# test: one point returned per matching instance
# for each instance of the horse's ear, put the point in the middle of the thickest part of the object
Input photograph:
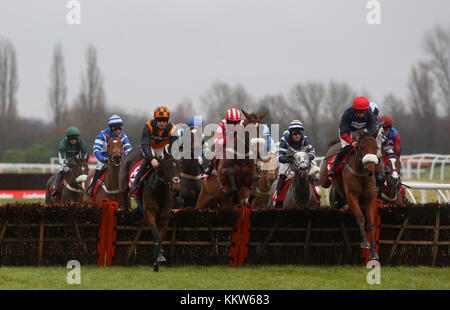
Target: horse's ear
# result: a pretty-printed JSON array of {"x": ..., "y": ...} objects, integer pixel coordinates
[
  {"x": 246, "y": 114},
  {"x": 262, "y": 115},
  {"x": 166, "y": 152},
  {"x": 292, "y": 149}
]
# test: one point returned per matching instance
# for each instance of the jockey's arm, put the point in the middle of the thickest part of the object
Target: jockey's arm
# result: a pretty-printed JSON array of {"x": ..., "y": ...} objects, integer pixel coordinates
[
  {"x": 98, "y": 144},
  {"x": 145, "y": 143},
  {"x": 282, "y": 152},
  {"x": 309, "y": 149},
  {"x": 62, "y": 148},
  {"x": 345, "y": 128},
  {"x": 83, "y": 148},
  {"x": 397, "y": 149}
]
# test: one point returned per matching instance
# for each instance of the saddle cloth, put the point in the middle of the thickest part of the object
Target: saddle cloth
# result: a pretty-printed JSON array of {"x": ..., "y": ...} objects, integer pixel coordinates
[
  {"x": 280, "y": 198},
  {"x": 339, "y": 167},
  {"x": 133, "y": 174}
]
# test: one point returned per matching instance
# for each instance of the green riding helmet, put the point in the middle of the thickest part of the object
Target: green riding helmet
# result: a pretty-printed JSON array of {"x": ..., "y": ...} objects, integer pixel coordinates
[{"x": 72, "y": 131}]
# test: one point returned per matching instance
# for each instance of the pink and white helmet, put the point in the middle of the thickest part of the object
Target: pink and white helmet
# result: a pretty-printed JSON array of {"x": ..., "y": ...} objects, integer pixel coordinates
[{"x": 233, "y": 114}]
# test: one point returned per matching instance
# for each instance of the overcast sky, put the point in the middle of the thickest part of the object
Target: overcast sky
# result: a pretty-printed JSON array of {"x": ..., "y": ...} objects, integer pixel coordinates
[{"x": 156, "y": 52}]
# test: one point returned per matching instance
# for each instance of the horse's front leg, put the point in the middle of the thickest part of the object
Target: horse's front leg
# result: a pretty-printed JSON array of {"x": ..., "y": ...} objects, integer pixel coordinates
[
  {"x": 371, "y": 227},
  {"x": 230, "y": 174},
  {"x": 353, "y": 204},
  {"x": 255, "y": 178},
  {"x": 151, "y": 220}
]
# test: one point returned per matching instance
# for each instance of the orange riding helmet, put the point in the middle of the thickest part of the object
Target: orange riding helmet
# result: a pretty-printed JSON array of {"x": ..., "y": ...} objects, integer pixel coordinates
[{"x": 161, "y": 112}]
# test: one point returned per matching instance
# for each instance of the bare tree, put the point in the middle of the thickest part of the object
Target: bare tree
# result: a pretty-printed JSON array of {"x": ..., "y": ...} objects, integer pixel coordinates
[
  {"x": 90, "y": 106},
  {"x": 183, "y": 111},
  {"x": 8, "y": 82},
  {"x": 339, "y": 97},
  {"x": 424, "y": 110},
  {"x": 279, "y": 111},
  {"x": 220, "y": 97},
  {"x": 308, "y": 98},
  {"x": 58, "y": 90},
  {"x": 437, "y": 46}
]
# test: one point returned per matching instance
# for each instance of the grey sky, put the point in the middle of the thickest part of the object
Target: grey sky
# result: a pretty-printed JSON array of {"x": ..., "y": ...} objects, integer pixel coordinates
[{"x": 158, "y": 52}]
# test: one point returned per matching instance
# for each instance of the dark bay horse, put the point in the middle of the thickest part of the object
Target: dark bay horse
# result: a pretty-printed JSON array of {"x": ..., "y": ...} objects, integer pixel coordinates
[
  {"x": 357, "y": 185},
  {"x": 74, "y": 185},
  {"x": 236, "y": 176},
  {"x": 157, "y": 196},
  {"x": 191, "y": 171},
  {"x": 391, "y": 192},
  {"x": 109, "y": 187},
  {"x": 300, "y": 194}
]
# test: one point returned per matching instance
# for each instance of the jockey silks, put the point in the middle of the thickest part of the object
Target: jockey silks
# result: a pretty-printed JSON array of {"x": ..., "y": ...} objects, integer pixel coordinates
[
  {"x": 350, "y": 123},
  {"x": 101, "y": 144},
  {"x": 302, "y": 145},
  {"x": 151, "y": 130}
]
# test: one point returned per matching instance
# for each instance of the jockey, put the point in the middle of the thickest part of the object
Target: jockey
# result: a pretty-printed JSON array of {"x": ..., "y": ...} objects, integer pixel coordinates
[
  {"x": 157, "y": 133},
  {"x": 115, "y": 124},
  {"x": 391, "y": 137},
  {"x": 355, "y": 118},
  {"x": 296, "y": 140},
  {"x": 375, "y": 110},
  {"x": 194, "y": 124},
  {"x": 271, "y": 146},
  {"x": 69, "y": 146},
  {"x": 233, "y": 117}
]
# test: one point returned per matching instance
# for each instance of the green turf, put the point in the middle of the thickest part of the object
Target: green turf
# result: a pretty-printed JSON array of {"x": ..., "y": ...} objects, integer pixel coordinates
[{"x": 226, "y": 278}]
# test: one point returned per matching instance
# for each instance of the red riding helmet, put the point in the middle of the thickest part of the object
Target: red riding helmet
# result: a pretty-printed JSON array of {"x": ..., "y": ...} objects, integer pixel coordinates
[
  {"x": 387, "y": 121},
  {"x": 361, "y": 103},
  {"x": 233, "y": 114}
]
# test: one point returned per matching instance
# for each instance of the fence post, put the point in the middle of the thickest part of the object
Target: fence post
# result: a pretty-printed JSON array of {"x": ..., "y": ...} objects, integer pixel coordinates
[
  {"x": 111, "y": 232},
  {"x": 240, "y": 236}
]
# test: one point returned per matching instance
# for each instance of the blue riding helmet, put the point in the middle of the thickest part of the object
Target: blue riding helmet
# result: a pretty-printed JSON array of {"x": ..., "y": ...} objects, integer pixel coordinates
[
  {"x": 115, "y": 120},
  {"x": 194, "y": 122}
]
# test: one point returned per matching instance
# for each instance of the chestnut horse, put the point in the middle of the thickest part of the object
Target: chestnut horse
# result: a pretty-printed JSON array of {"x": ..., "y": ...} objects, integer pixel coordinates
[
  {"x": 357, "y": 185},
  {"x": 109, "y": 187},
  {"x": 268, "y": 172},
  {"x": 236, "y": 177},
  {"x": 300, "y": 194},
  {"x": 74, "y": 186},
  {"x": 391, "y": 192}
]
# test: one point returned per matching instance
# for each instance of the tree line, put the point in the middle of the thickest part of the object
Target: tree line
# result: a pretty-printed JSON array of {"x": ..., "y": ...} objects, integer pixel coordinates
[{"x": 422, "y": 117}]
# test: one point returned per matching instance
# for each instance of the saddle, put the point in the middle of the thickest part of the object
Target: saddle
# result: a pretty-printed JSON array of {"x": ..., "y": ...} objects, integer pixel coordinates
[
  {"x": 133, "y": 174},
  {"x": 339, "y": 167}
]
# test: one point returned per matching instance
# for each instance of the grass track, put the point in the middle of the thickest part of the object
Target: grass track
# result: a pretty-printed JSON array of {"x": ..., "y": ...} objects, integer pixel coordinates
[{"x": 225, "y": 278}]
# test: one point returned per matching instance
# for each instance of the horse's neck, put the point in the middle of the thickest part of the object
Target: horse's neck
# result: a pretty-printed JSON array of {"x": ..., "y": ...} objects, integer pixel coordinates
[
  {"x": 112, "y": 175},
  {"x": 190, "y": 166},
  {"x": 263, "y": 184},
  {"x": 355, "y": 163},
  {"x": 300, "y": 189}
]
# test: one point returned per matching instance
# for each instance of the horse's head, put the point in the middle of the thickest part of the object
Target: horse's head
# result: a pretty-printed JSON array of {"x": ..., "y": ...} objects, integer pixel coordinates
[
  {"x": 269, "y": 168},
  {"x": 367, "y": 151},
  {"x": 168, "y": 172},
  {"x": 115, "y": 149},
  {"x": 301, "y": 162},
  {"x": 79, "y": 170},
  {"x": 256, "y": 142},
  {"x": 392, "y": 169}
]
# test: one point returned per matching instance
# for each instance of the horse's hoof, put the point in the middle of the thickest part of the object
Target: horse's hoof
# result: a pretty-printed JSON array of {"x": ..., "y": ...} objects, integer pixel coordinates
[
  {"x": 365, "y": 245},
  {"x": 155, "y": 267},
  {"x": 161, "y": 258},
  {"x": 374, "y": 256}
]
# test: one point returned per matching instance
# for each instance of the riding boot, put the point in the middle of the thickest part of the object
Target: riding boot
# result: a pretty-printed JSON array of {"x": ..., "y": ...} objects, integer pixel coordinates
[
  {"x": 59, "y": 178},
  {"x": 281, "y": 182},
  {"x": 339, "y": 156},
  {"x": 142, "y": 169},
  {"x": 97, "y": 175}
]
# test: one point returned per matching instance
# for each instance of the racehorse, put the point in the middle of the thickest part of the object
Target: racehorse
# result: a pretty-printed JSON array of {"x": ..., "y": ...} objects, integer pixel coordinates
[
  {"x": 300, "y": 193},
  {"x": 74, "y": 184},
  {"x": 391, "y": 192},
  {"x": 357, "y": 185},
  {"x": 268, "y": 171},
  {"x": 191, "y": 173},
  {"x": 156, "y": 195},
  {"x": 235, "y": 177},
  {"x": 109, "y": 186}
]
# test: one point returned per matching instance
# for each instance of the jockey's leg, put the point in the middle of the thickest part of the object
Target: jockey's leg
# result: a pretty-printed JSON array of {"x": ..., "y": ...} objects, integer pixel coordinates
[
  {"x": 339, "y": 156},
  {"x": 99, "y": 169},
  {"x": 59, "y": 178},
  {"x": 284, "y": 171},
  {"x": 142, "y": 169}
]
